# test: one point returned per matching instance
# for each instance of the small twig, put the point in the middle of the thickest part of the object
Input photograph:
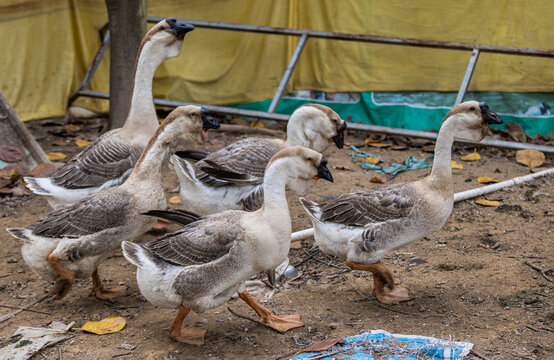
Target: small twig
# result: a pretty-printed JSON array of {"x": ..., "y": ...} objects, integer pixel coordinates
[
  {"x": 3, "y": 276},
  {"x": 253, "y": 320},
  {"x": 31, "y": 310},
  {"x": 9, "y": 316},
  {"x": 308, "y": 258},
  {"x": 539, "y": 269},
  {"x": 473, "y": 352},
  {"x": 127, "y": 306},
  {"x": 289, "y": 355},
  {"x": 44, "y": 356},
  {"x": 123, "y": 354},
  {"x": 527, "y": 256},
  {"x": 60, "y": 357},
  {"x": 532, "y": 328}
]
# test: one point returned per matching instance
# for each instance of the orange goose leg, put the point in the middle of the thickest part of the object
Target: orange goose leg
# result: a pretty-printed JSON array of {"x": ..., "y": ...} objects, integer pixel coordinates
[
  {"x": 382, "y": 279},
  {"x": 279, "y": 323},
  {"x": 106, "y": 293},
  {"x": 66, "y": 279},
  {"x": 184, "y": 334}
]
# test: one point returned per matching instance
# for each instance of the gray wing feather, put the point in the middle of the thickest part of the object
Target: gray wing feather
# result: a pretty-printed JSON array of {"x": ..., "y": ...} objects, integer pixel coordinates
[
  {"x": 107, "y": 158},
  {"x": 368, "y": 207},
  {"x": 248, "y": 156},
  {"x": 200, "y": 242},
  {"x": 90, "y": 215}
]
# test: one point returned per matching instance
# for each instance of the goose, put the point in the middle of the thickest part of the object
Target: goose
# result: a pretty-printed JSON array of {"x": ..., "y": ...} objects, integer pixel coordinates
[
  {"x": 232, "y": 178},
  {"x": 71, "y": 242},
  {"x": 362, "y": 226},
  {"x": 202, "y": 265},
  {"x": 109, "y": 160}
]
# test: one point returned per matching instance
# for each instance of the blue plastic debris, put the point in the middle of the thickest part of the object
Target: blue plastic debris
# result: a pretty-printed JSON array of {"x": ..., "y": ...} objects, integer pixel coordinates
[
  {"x": 382, "y": 345},
  {"x": 411, "y": 163}
]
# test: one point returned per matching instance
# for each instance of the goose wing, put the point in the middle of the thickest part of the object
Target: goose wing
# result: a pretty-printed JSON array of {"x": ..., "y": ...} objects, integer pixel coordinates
[
  {"x": 241, "y": 162},
  {"x": 369, "y": 207},
  {"x": 108, "y": 158},
  {"x": 201, "y": 242},
  {"x": 90, "y": 215}
]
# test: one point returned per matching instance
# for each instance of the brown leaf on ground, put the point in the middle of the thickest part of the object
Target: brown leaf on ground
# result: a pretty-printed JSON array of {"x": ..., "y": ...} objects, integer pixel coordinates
[
  {"x": 82, "y": 142},
  {"x": 530, "y": 157},
  {"x": 399, "y": 147},
  {"x": 380, "y": 145},
  {"x": 371, "y": 160},
  {"x": 487, "y": 202},
  {"x": 379, "y": 179},
  {"x": 9, "y": 172},
  {"x": 72, "y": 127},
  {"x": 18, "y": 190},
  {"x": 486, "y": 180},
  {"x": 10, "y": 153},
  {"x": 474, "y": 156},
  {"x": 106, "y": 326},
  {"x": 296, "y": 245},
  {"x": 43, "y": 170},
  {"x": 61, "y": 143},
  {"x": 175, "y": 199},
  {"x": 323, "y": 345}
]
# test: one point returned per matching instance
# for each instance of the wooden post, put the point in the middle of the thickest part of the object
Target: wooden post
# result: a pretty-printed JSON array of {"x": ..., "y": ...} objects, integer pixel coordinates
[{"x": 127, "y": 26}]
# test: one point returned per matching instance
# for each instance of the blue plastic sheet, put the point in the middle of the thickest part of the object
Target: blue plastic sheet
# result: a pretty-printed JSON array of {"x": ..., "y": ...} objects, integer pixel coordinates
[
  {"x": 382, "y": 345},
  {"x": 410, "y": 163}
]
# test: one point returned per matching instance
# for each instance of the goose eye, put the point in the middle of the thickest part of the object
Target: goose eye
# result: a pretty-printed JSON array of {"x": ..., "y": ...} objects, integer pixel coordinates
[
  {"x": 310, "y": 159},
  {"x": 335, "y": 121},
  {"x": 472, "y": 108},
  {"x": 193, "y": 114}
]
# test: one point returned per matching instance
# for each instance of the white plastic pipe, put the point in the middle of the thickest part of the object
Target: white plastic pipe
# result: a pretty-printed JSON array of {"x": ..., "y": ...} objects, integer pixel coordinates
[{"x": 464, "y": 195}]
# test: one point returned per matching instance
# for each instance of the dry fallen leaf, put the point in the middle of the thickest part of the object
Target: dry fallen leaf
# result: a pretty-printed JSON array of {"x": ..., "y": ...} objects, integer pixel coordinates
[
  {"x": 72, "y": 127},
  {"x": 381, "y": 145},
  {"x": 295, "y": 245},
  {"x": 61, "y": 143},
  {"x": 474, "y": 156},
  {"x": 9, "y": 172},
  {"x": 486, "y": 180},
  {"x": 56, "y": 156},
  {"x": 530, "y": 157},
  {"x": 258, "y": 124},
  {"x": 81, "y": 142},
  {"x": 43, "y": 170},
  {"x": 370, "y": 140},
  {"x": 174, "y": 199},
  {"x": 487, "y": 202},
  {"x": 379, "y": 179},
  {"x": 455, "y": 165},
  {"x": 371, "y": 160},
  {"x": 108, "y": 325},
  {"x": 322, "y": 345}
]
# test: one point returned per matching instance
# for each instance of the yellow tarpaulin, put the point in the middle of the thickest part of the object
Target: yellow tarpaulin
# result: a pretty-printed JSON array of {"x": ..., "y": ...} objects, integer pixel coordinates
[{"x": 47, "y": 47}]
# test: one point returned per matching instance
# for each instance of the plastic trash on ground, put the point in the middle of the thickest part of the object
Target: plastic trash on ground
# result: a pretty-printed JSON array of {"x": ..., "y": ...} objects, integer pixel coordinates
[
  {"x": 410, "y": 163},
  {"x": 379, "y": 344}
]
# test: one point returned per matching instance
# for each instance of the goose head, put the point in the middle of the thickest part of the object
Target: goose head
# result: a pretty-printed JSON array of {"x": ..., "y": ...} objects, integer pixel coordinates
[
  {"x": 302, "y": 166},
  {"x": 470, "y": 120},
  {"x": 315, "y": 126},
  {"x": 188, "y": 123},
  {"x": 165, "y": 39}
]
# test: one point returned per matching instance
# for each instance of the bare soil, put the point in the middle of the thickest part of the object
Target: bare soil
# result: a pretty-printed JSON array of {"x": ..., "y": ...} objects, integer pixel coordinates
[{"x": 473, "y": 280}]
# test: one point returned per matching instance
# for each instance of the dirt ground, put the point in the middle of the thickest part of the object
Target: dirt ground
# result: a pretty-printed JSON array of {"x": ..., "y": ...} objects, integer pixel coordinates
[{"x": 473, "y": 280}]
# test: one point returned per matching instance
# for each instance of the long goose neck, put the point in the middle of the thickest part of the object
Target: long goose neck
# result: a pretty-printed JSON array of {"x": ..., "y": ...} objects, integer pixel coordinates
[
  {"x": 142, "y": 114},
  {"x": 275, "y": 201},
  {"x": 441, "y": 173},
  {"x": 149, "y": 165},
  {"x": 295, "y": 133}
]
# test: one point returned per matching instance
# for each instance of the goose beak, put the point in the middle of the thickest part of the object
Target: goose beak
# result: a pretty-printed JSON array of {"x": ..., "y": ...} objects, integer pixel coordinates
[
  {"x": 179, "y": 28},
  {"x": 323, "y": 172},
  {"x": 339, "y": 138},
  {"x": 208, "y": 122},
  {"x": 488, "y": 116}
]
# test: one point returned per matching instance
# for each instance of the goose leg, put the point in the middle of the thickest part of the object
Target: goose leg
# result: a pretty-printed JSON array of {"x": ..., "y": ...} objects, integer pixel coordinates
[
  {"x": 106, "y": 293},
  {"x": 65, "y": 279},
  {"x": 184, "y": 334},
  {"x": 382, "y": 279},
  {"x": 279, "y": 323}
]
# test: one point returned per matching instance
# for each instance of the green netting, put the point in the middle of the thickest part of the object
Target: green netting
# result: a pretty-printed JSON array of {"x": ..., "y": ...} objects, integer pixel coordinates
[{"x": 426, "y": 110}]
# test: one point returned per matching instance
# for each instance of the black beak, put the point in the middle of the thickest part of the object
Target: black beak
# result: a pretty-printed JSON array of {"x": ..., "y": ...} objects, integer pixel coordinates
[
  {"x": 339, "y": 138},
  {"x": 208, "y": 122},
  {"x": 488, "y": 116},
  {"x": 179, "y": 28},
  {"x": 323, "y": 172}
]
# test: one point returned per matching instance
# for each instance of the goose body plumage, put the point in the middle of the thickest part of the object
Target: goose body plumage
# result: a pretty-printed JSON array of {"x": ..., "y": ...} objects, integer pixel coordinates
[
  {"x": 232, "y": 178},
  {"x": 109, "y": 160}
]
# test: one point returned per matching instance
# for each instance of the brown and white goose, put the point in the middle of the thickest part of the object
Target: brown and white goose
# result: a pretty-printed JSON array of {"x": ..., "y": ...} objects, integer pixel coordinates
[
  {"x": 362, "y": 226},
  {"x": 232, "y": 178},
  {"x": 71, "y": 242},
  {"x": 202, "y": 265},
  {"x": 109, "y": 160}
]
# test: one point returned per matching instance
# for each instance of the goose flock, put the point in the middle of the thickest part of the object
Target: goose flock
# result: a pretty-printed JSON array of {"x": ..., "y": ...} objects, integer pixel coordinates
[{"x": 236, "y": 221}]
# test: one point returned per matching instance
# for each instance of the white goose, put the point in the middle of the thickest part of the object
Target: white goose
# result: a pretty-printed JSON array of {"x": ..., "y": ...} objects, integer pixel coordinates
[
  {"x": 202, "y": 265},
  {"x": 109, "y": 160},
  {"x": 71, "y": 242},
  {"x": 362, "y": 226},
  {"x": 232, "y": 177}
]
